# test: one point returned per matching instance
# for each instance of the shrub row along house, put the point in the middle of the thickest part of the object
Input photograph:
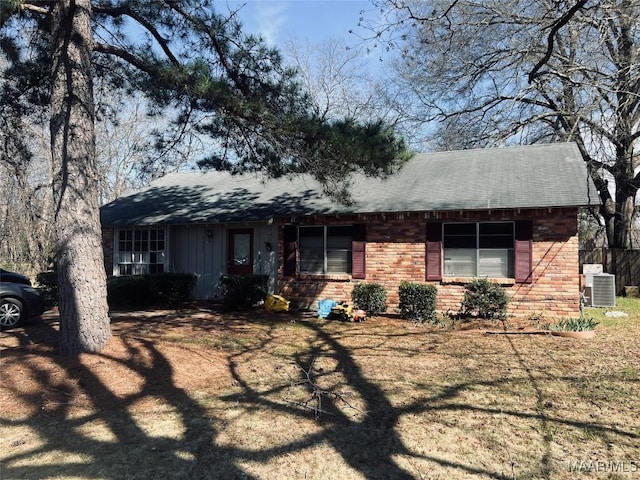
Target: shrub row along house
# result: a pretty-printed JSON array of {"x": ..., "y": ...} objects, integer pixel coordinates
[{"x": 506, "y": 214}]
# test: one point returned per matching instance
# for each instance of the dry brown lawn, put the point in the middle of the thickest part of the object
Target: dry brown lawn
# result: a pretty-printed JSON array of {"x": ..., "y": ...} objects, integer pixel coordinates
[{"x": 198, "y": 394}]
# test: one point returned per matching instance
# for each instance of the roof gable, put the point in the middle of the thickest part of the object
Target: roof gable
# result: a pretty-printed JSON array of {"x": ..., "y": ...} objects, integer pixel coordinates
[{"x": 552, "y": 175}]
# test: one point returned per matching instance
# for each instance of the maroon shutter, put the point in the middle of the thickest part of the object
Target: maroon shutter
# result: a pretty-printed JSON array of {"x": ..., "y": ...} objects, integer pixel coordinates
[
  {"x": 290, "y": 237},
  {"x": 434, "y": 251},
  {"x": 358, "y": 252},
  {"x": 523, "y": 248}
]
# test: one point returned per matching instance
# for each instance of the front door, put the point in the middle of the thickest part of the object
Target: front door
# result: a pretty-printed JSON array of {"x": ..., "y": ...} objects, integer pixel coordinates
[{"x": 240, "y": 259}]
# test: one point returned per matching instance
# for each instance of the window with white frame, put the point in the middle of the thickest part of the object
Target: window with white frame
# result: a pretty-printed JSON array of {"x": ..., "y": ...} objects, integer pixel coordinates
[
  {"x": 482, "y": 249},
  {"x": 141, "y": 251},
  {"x": 325, "y": 249}
]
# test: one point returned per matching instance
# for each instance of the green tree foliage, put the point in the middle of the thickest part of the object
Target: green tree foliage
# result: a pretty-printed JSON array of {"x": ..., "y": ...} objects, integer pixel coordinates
[
  {"x": 197, "y": 65},
  {"x": 192, "y": 64},
  {"x": 503, "y": 71}
]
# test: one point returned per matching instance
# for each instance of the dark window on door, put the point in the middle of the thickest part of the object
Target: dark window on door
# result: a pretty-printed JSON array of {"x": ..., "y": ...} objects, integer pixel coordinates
[{"x": 240, "y": 259}]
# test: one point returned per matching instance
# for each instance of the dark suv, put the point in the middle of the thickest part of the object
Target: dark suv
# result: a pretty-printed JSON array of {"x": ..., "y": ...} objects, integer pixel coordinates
[{"x": 18, "y": 299}]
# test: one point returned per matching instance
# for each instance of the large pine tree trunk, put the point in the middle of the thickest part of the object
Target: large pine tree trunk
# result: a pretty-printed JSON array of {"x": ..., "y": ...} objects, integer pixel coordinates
[{"x": 84, "y": 320}]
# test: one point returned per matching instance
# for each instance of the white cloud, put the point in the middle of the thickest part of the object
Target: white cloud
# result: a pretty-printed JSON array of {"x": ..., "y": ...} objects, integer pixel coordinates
[{"x": 271, "y": 18}]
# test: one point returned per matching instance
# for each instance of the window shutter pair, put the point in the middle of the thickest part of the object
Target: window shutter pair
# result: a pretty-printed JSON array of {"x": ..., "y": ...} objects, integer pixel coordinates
[
  {"x": 358, "y": 251},
  {"x": 523, "y": 249}
]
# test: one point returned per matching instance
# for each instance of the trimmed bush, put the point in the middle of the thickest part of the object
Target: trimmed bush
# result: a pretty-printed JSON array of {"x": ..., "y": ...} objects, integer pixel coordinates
[
  {"x": 370, "y": 297},
  {"x": 417, "y": 301},
  {"x": 172, "y": 289},
  {"x": 484, "y": 299},
  {"x": 129, "y": 291},
  {"x": 134, "y": 291},
  {"x": 242, "y": 292},
  {"x": 157, "y": 290}
]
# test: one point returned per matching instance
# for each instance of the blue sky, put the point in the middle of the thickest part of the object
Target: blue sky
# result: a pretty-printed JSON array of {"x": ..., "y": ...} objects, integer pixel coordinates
[{"x": 314, "y": 21}]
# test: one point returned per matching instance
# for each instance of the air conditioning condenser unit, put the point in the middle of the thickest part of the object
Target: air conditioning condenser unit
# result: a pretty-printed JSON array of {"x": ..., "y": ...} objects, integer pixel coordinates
[{"x": 603, "y": 290}]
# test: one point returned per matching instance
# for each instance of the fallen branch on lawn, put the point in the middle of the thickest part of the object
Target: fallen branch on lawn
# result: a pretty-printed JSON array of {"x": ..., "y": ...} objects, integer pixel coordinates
[{"x": 314, "y": 402}]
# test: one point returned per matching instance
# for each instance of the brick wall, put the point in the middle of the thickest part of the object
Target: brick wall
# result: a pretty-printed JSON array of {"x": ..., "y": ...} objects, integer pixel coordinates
[{"x": 396, "y": 251}]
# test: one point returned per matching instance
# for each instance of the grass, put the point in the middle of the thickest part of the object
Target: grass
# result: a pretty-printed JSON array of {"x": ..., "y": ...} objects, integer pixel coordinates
[
  {"x": 630, "y": 306},
  {"x": 195, "y": 394}
]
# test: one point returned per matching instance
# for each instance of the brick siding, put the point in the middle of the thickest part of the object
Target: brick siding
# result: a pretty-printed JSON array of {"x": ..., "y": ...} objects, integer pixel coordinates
[{"x": 395, "y": 251}]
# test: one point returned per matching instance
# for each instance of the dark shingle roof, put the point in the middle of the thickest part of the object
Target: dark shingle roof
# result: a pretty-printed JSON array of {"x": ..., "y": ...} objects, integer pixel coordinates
[{"x": 552, "y": 175}]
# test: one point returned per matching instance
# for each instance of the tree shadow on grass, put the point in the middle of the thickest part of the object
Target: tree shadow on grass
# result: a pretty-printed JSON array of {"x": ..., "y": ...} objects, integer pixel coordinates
[
  {"x": 371, "y": 444},
  {"x": 86, "y": 430},
  {"x": 367, "y": 439},
  {"x": 86, "y": 424}
]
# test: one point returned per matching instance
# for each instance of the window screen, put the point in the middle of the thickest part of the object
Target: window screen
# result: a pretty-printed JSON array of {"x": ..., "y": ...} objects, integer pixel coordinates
[
  {"x": 325, "y": 249},
  {"x": 482, "y": 249}
]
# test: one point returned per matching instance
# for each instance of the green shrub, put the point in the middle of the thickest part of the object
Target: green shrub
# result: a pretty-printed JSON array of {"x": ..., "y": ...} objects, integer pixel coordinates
[
  {"x": 484, "y": 299},
  {"x": 172, "y": 289},
  {"x": 134, "y": 291},
  {"x": 129, "y": 291},
  {"x": 370, "y": 297},
  {"x": 156, "y": 290},
  {"x": 241, "y": 292},
  {"x": 417, "y": 301},
  {"x": 48, "y": 282}
]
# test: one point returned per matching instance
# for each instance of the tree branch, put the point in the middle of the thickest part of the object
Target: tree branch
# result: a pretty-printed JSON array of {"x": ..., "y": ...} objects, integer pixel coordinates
[
  {"x": 534, "y": 73},
  {"x": 202, "y": 27},
  {"x": 35, "y": 8},
  {"x": 127, "y": 56},
  {"x": 115, "y": 12},
  {"x": 10, "y": 8}
]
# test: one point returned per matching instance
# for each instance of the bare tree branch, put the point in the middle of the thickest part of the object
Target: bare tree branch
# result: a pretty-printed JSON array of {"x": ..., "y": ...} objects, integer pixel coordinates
[{"x": 534, "y": 73}]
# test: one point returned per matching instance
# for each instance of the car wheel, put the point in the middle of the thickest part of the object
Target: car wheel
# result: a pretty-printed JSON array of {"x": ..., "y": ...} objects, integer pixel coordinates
[{"x": 10, "y": 312}]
